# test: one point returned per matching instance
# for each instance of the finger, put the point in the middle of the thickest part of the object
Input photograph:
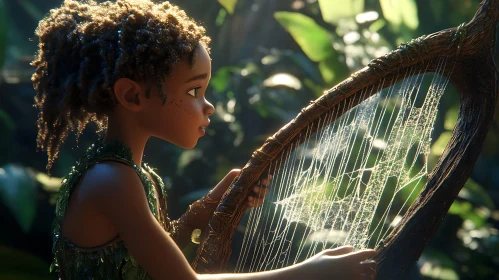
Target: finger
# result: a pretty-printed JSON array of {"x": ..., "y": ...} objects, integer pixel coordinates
[
  {"x": 361, "y": 255},
  {"x": 258, "y": 202},
  {"x": 225, "y": 182},
  {"x": 365, "y": 276},
  {"x": 368, "y": 267},
  {"x": 260, "y": 191},
  {"x": 338, "y": 251},
  {"x": 264, "y": 192},
  {"x": 255, "y": 202},
  {"x": 265, "y": 181}
]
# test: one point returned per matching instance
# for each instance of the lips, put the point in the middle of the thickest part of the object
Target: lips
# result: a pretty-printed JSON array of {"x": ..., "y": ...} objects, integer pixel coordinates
[
  {"x": 206, "y": 125},
  {"x": 202, "y": 129}
]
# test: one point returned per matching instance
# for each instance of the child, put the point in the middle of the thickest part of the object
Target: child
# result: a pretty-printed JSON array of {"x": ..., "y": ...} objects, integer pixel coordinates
[{"x": 137, "y": 69}]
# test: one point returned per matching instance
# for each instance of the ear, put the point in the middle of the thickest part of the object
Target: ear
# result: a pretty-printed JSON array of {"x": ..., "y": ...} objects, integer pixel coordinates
[{"x": 129, "y": 94}]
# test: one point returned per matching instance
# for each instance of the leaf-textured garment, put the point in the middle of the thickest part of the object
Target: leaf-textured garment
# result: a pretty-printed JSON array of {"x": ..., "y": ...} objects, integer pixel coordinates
[{"x": 111, "y": 260}]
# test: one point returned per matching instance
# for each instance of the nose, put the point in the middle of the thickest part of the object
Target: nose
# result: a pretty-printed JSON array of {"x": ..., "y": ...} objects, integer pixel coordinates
[{"x": 209, "y": 108}]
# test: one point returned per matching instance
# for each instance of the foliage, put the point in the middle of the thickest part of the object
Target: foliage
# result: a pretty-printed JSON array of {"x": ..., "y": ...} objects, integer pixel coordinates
[
  {"x": 16, "y": 264},
  {"x": 335, "y": 10},
  {"x": 314, "y": 40},
  {"x": 8, "y": 128},
  {"x": 3, "y": 31},
  {"x": 400, "y": 12},
  {"x": 18, "y": 190},
  {"x": 229, "y": 5},
  {"x": 269, "y": 61}
]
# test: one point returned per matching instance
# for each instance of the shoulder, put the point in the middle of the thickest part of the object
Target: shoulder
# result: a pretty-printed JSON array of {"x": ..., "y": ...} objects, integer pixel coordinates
[{"x": 112, "y": 183}]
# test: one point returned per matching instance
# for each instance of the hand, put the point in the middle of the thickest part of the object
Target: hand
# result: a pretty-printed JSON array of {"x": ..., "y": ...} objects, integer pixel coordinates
[
  {"x": 218, "y": 191},
  {"x": 259, "y": 192},
  {"x": 339, "y": 263},
  {"x": 257, "y": 196}
]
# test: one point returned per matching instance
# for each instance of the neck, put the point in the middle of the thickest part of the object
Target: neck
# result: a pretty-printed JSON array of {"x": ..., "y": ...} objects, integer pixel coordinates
[{"x": 130, "y": 135}]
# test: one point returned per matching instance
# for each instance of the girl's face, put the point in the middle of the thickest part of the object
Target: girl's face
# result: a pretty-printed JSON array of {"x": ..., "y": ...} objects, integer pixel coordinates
[{"x": 184, "y": 117}]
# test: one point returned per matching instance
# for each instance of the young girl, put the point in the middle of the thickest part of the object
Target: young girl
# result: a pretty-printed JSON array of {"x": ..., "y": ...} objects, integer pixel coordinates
[{"x": 137, "y": 69}]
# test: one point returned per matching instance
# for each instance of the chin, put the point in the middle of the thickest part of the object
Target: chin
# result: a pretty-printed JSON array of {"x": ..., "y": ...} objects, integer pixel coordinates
[
  {"x": 188, "y": 147},
  {"x": 184, "y": 144}
]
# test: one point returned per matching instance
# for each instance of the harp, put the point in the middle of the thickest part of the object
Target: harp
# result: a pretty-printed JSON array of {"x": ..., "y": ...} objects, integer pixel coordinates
[{"x": 472, "y": 71}]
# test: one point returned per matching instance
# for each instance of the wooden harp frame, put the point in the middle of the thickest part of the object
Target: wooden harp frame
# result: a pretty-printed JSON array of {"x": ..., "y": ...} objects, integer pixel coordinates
[{"x": 470, "y": 48}]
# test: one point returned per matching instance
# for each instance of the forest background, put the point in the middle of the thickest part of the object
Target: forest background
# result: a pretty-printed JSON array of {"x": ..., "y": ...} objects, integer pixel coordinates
[{"x": 270, "y": 59}]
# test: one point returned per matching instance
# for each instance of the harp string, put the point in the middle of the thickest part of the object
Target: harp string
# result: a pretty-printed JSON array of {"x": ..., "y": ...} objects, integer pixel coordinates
[
  {"x": 349, "y": 135},
  {"x": 324, "y": 196},
  {"x": 422, "y": 148},
  {"x": 374, "y": 194},
  {"x": 367, "y": 205}
]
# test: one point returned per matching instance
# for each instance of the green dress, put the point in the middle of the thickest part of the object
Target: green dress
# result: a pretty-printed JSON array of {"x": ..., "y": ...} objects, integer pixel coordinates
[{"x": 112, "y": 260}]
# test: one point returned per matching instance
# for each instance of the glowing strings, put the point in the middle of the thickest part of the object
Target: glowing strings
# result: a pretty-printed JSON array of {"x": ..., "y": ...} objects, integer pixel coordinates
[{"x": 350, "y": 182}]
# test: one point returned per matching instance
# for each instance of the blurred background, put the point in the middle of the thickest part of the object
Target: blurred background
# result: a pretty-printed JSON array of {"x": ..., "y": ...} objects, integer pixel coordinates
[{"x": 270, "y": 59}]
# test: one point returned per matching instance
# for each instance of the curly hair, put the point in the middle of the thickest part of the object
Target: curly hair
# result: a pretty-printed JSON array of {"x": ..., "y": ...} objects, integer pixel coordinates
[{"x": 84, "y": 47}]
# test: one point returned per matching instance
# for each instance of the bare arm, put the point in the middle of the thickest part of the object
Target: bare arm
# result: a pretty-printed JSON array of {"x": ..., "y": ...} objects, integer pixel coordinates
[
  {"x": 118, "y": 193},
  {"x": 199, "y": 213}
]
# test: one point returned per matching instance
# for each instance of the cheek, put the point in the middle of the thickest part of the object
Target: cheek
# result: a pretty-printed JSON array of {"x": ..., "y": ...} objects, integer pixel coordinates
[{"x": 179, "y": 109}]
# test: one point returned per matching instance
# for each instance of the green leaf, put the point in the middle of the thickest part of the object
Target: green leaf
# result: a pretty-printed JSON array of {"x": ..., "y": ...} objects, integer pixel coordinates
[
  {"x": 327, "y": 72},
  {"x": 377, "y": 25},
  {"x": 308, "y": 68},
  {"x": 451, "y": 118},
  {"x": 398, "y": 12},
  {"x": 16, "y": 264},
  {"x": 439, "y": 146},
  {"x": 465, "y": 210},
  {"x": 334, "y": 10},
  {"x": 49, "y": 184},
  {"x": 222, "y": 15},
  {"x": 332, "y": 70},
  {"x": 7, "y": 138},
  {"x": 250, "y": 69},
  {"x": 18, "y": 192},
  {"x": 4, "y": 23},
  {"x": 314, "y": 40},
  {"x": 460, "y": 207},
  {"x": 229, "y": 5},
  {"x": 221, "y": 78},
  {"x": 476, "y": 194},
  {"x": 316, "y": 89},
  {"x": 436, "y": 264},
  {"x": 391, "y": 12},
  {"x": 409, "y": 11},
  {"x": 477, "y": 219},
  {"x": 6, "y": 121}
]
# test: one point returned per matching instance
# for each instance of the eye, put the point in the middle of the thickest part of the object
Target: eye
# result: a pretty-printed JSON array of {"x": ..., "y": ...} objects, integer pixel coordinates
[{"x": 194, "y": 92}]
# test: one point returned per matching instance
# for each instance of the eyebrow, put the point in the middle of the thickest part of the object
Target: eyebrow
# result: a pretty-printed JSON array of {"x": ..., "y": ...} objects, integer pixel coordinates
[{"x": 198, "y": 77}]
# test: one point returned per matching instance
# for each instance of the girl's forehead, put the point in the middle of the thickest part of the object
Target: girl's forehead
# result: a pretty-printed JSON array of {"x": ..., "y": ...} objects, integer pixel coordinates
[
  {"x": 201, "y": 57},
  {"x": 188, "y": 72},
  {"x": 201, "y": 62}
]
